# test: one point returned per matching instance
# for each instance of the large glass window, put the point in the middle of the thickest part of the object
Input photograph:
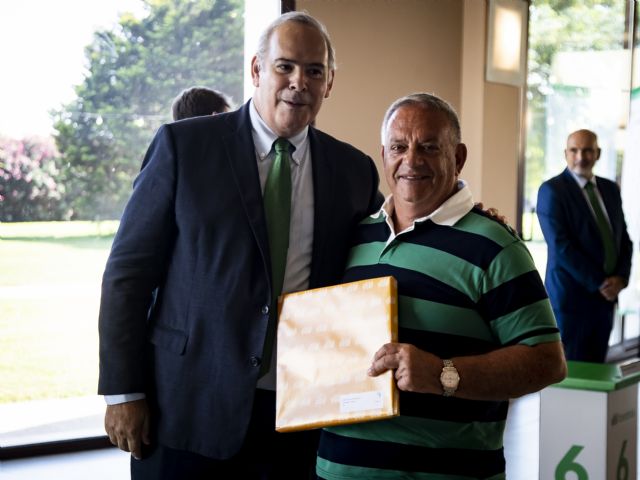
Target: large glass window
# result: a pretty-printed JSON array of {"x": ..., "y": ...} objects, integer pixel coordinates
[
  {"x": 579, "y": 77},
  {"x": 84, "y": 86},
  {"x": 630, "y": 297}
]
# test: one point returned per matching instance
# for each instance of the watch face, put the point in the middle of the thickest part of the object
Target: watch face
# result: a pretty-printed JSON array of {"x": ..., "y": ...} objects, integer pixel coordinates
[{"x": 449, "y": 378}]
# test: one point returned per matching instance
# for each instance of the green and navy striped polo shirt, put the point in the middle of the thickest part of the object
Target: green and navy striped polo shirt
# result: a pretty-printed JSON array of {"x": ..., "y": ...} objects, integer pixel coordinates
[{"x": 467, "y": 285}]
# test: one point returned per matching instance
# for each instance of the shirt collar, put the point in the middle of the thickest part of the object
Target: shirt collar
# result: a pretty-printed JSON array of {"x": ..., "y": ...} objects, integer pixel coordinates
[
  {"x": 582, "y": 181},
  {"x": 263, "y": 137},
  {"x": 447, "y": 214}
]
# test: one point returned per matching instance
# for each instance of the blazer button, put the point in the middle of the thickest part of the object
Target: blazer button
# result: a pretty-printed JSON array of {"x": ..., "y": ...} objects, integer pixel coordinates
[
  {"x": 255, "y": 361},
  {"x": 265, "y": 309}
]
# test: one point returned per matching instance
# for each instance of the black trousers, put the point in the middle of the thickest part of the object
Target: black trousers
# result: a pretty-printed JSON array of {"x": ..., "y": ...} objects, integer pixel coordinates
[{"x": 265, "y": 454}]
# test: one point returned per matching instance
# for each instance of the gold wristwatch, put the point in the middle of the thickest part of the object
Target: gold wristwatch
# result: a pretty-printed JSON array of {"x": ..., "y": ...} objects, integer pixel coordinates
[{"x": 449, "y": 378}]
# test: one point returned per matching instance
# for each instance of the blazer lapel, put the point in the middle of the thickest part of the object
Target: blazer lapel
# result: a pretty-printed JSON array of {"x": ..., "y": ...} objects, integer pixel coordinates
[
  {"x": 241, "y": 155},
  {"x": 323, "y": 202}
]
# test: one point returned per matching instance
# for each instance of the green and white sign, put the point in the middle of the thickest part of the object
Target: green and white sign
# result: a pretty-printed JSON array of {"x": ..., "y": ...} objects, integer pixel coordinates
[{"x": 588, "y": 425}]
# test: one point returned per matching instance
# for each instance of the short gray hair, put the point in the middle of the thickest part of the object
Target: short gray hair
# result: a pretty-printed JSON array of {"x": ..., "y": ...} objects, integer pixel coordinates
[
  {"x": 299, "y": 17},
  {"x": 429, "y": 102}
]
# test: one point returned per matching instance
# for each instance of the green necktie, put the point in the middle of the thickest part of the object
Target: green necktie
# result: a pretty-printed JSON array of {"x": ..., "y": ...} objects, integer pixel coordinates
[
  {"x": 610, "y": 254},
  {"x": 277, "y": 208}
]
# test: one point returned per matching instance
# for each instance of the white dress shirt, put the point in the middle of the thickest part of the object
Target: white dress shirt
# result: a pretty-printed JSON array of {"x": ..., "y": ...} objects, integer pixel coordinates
[
  {"x": 582, "y": 182},
  {"x": 298, "y": 269}
]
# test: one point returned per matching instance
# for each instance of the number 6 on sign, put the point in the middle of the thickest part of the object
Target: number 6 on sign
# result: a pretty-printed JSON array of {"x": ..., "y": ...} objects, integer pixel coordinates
[
  {"x": 568, "y": 464},
  {"x": 622, "y": 472}
]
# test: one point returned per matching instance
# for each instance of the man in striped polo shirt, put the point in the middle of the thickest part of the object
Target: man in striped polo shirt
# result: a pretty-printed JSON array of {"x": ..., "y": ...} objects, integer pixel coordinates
[{"x": 475, "y": 324}]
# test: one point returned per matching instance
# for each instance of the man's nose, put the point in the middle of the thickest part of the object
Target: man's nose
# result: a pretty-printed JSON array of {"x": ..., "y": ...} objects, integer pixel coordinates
[
  {"x": 297, "y": 80},
  {"x": 413, "y": 158}
]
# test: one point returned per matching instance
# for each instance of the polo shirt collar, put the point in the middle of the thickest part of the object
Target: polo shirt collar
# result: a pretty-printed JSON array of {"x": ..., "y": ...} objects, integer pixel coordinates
[{"x": 447, "y": 214}]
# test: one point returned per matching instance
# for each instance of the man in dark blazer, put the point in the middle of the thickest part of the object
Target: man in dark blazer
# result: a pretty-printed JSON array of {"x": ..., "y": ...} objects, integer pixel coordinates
[
  {"x": 583, "y": 277},
  {"x": 187, "y": 294}
]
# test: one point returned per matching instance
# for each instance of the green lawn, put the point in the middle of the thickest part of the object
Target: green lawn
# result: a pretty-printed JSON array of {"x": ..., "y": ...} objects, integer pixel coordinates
[{"x": 50, "y": 275}]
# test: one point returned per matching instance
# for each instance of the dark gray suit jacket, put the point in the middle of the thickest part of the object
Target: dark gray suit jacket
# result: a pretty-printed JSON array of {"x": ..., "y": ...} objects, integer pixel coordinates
[{"x": 182, "y": 315}]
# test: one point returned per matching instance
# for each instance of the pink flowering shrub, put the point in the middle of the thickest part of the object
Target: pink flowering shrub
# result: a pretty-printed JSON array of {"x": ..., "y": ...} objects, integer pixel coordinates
[{"x": 28, "y": 187}]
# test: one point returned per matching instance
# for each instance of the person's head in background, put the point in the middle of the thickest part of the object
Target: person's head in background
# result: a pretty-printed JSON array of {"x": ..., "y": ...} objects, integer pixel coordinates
[
  {"x": 582, "y": 152},
  {"x": 198, "y": 102}
]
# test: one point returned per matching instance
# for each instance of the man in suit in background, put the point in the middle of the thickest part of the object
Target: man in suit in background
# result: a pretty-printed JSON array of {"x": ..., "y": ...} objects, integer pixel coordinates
[
  {"x": 227, "y": 212},
  {"x": 589, "y": 250}
]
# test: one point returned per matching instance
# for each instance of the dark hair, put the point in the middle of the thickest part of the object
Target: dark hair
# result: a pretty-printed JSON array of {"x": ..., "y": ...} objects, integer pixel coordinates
[{"x": 199, "y": 101}]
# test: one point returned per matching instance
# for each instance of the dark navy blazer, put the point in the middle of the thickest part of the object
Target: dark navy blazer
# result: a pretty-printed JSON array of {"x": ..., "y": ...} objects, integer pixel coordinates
[
  {"x": 575, "y": 263},
  {"x": 185, "y": 292}
]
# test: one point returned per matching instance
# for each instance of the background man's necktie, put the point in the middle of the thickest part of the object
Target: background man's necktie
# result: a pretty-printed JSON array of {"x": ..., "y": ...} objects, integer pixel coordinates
[
  {"x": 277, "y": 207},
  {"x": 610, "y": 253}
]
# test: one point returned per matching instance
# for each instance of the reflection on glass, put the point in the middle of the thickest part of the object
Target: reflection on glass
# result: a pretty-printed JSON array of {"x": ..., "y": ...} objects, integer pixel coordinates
[
  {"x": 64, "y": 181},
  {"x": 579, "y": 77}
]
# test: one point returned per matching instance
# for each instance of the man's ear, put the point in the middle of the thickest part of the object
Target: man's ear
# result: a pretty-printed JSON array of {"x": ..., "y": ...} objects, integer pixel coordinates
[
  {"x": 461, "y": 157},
  {"x": 255, "y": 71},
  {"x": 382, "y": 153},
  {"x": 329, "y": 83},
  {"x": 598, "y": 152}
]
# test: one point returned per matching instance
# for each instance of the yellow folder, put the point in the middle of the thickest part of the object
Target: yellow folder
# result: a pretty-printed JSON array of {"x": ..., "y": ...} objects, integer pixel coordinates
[{"x": 326, "y": 341}]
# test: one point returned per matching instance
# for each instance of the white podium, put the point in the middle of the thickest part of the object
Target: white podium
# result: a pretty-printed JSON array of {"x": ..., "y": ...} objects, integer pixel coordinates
[{"x": 589, "y": 425}]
